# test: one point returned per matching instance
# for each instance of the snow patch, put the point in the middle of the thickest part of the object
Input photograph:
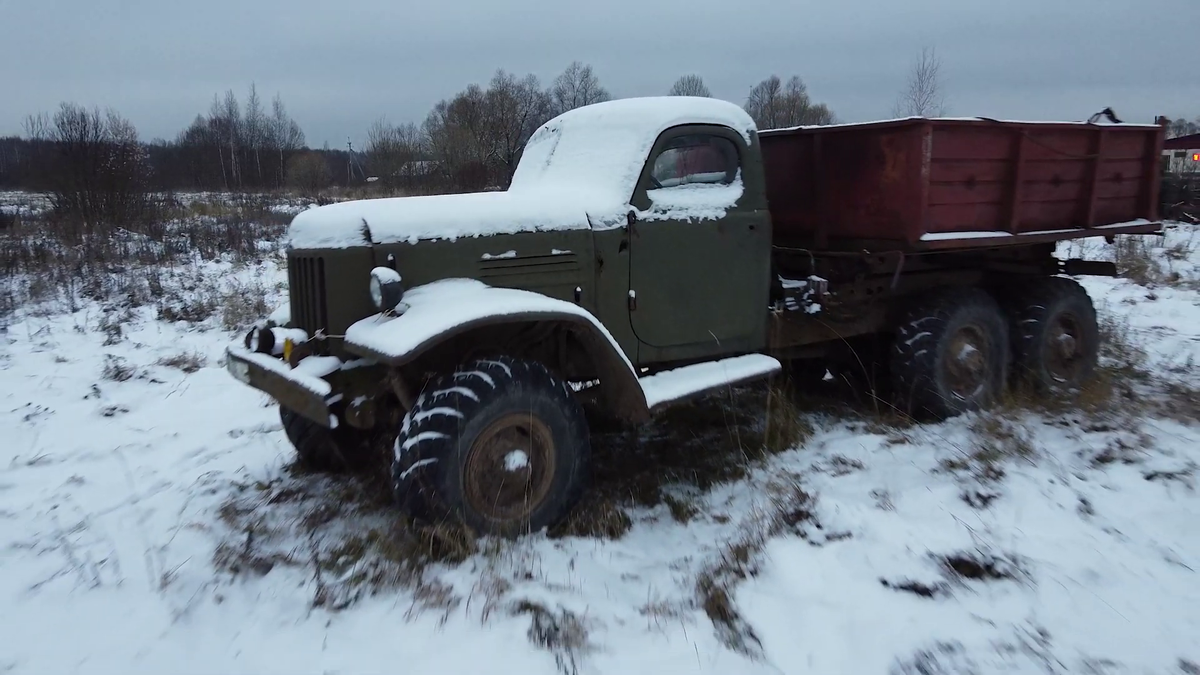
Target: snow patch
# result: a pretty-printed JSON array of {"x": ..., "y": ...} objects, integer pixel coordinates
[
  {"x": 419, "y": 438},
  {"x": 944, "y": 236},
  {"x": 416, "y": 465},
  {"x": 318, "y": 366},
  {"x": 516, "y": 460},
  {"x": 282, "y": 315},
  {"x": 695, "y": 201},
  {"x": 498, "y": 256},
  {"x": 851, "y": 125}
]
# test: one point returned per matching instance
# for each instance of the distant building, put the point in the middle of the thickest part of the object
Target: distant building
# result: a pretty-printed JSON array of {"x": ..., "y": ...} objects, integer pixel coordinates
[{"x": 1182, "y": 154}]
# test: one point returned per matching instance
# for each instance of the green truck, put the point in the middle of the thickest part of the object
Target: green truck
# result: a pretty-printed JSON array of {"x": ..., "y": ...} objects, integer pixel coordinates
[{"x": 652, "y": 250}]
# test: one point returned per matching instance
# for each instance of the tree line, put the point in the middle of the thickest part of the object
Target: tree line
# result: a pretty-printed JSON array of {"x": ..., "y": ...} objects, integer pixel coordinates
[{"x": 90, "y": 161}]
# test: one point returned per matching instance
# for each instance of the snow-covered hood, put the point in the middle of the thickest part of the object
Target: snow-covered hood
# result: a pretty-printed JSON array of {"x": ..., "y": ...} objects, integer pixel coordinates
[{"x": 410, "y": 219}]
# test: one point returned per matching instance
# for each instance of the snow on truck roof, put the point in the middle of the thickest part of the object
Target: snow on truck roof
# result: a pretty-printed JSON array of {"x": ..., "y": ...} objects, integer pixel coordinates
[
  {"x": 577, "y": 171},
  {"x": 1099, "y": 123}
]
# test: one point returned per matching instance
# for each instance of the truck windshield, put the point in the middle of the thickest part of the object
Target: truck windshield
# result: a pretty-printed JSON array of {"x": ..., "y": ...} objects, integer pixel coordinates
[{"x": 700, "y": 158}]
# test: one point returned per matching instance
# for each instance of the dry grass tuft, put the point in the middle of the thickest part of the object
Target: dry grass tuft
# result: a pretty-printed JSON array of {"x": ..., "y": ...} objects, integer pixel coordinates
[
  {"x": 995, "y": 441},
  {"x": 682, "y": 509},
  {"x": 1136, "y": 260},
  {"x": 244, "y": 304},
  {"x": 595, "y": 516},
  {"x": 982, "y": 566},
  {"x": 188, "y": 362},
  {"x": 562, "y": 633},
  {"x": 117, "y": 369}
]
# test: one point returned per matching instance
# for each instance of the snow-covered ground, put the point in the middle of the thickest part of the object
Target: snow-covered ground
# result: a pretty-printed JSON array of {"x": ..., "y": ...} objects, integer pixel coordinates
[
  {"x": 31, "y": 204},
  {"x": 150, "y": 522}
]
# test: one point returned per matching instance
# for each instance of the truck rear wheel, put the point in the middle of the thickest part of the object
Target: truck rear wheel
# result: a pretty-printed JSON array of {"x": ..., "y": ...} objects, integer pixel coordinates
[
  {"x": 950, "y": 354},
  {"x": 501, "y": 445},
  {"x": 321, "y": 448},
  {"x": 1055, "y": 336}
]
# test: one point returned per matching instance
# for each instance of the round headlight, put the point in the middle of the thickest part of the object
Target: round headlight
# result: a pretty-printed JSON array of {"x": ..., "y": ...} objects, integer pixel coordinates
[
  {"x": 387, "y": 288},
  {"x": 376, "y": 292}
]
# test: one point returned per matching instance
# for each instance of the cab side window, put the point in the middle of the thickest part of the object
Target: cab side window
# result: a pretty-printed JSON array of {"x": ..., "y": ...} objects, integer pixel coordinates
[{"x": 695, "y": 158}]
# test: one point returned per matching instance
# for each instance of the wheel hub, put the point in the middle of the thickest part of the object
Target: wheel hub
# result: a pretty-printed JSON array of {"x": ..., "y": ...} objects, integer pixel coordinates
[
  {"x": 509, "y": 468},
  {"x": 966, "y": 365},
  {"x": 1064, "y": 348}
]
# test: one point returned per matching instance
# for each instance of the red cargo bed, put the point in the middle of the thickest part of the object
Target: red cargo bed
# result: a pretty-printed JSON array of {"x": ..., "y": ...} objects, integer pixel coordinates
[{"x": 923, "y": 184}]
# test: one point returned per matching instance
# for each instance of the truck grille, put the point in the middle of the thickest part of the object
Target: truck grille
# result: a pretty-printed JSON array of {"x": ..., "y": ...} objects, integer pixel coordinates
[{"x": 306, "y": 288}]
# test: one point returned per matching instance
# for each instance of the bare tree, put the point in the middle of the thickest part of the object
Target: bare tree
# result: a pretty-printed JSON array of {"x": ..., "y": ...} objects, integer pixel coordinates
[
  {"x": 286, "y": 136},
  {"x": 1182, "y": 127},
  {"x": 922, "y": 95},
  {"x": 774, "y": 105},
  {"x": 690, "y": 85},
  {"x": 392, "y": 152},
  {"x": 576, "y": 87},
  {"x": 309, "y": 173},
  {"x": 254, "y": 130},
  {"x": 100, "y": 172},
  {"x": 454, "y": 133},
  {"x": 515, "y": 108},
  {"x": 37, "y": 127}
]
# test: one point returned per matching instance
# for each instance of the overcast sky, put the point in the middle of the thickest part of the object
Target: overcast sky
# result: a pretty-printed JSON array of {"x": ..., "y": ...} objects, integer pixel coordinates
[{"x": 340, "y": 64}]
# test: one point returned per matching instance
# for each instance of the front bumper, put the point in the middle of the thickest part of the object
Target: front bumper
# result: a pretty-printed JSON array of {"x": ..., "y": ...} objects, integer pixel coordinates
[{"x": 295, "y": 388}]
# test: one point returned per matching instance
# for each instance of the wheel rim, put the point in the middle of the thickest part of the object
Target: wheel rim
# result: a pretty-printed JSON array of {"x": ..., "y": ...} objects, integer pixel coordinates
[
  {"x": 1065, "y": 348},
  {"x": 509, "y": 468},
  {"x": 966, "y": 364}
]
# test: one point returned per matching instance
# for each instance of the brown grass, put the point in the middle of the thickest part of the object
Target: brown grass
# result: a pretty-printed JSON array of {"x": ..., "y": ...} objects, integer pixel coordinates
[
  {"x": 188, "y": 362},
  {"x": 1139, "y": 260},
  {"x": 562, "y": 633},
  {"x": 980, "y": 565},
  {"x": 244, "y": 304},
  {"x": 1136, "y": 261},
  {"x": 117, "y": 369}
]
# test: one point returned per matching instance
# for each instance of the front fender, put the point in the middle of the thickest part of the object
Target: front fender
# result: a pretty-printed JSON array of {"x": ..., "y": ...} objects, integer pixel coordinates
[{"x": 435, "y": 312}]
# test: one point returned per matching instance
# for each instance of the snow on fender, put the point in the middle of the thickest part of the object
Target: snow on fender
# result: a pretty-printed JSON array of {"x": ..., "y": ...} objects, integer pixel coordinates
[{"x": 431, "y": 313}]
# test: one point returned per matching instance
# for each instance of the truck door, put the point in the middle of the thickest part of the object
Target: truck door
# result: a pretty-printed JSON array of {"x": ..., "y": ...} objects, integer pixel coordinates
[{"x": 700, "y": 247}]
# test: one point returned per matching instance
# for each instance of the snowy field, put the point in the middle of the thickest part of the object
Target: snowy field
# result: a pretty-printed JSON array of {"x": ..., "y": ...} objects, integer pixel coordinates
[{"x": 151, "y": 522}]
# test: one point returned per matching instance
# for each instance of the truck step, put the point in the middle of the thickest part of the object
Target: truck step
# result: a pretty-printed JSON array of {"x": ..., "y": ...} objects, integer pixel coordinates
[{"x": 670, "y": 386}]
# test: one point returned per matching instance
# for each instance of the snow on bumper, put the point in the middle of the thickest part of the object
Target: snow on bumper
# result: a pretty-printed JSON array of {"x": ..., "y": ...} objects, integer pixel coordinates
[{"x": 301, "y": 389}]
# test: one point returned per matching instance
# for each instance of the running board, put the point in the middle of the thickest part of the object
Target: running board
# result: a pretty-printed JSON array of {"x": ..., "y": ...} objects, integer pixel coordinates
[{"x": 672, "y": 386}]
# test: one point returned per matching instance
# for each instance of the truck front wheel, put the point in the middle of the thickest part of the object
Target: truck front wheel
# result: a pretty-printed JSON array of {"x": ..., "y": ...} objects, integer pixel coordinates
[
  {"x": 1056, "y": 340},
  {"x": 501, "y": 445},
  {"x": 950, "y": 354}
]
